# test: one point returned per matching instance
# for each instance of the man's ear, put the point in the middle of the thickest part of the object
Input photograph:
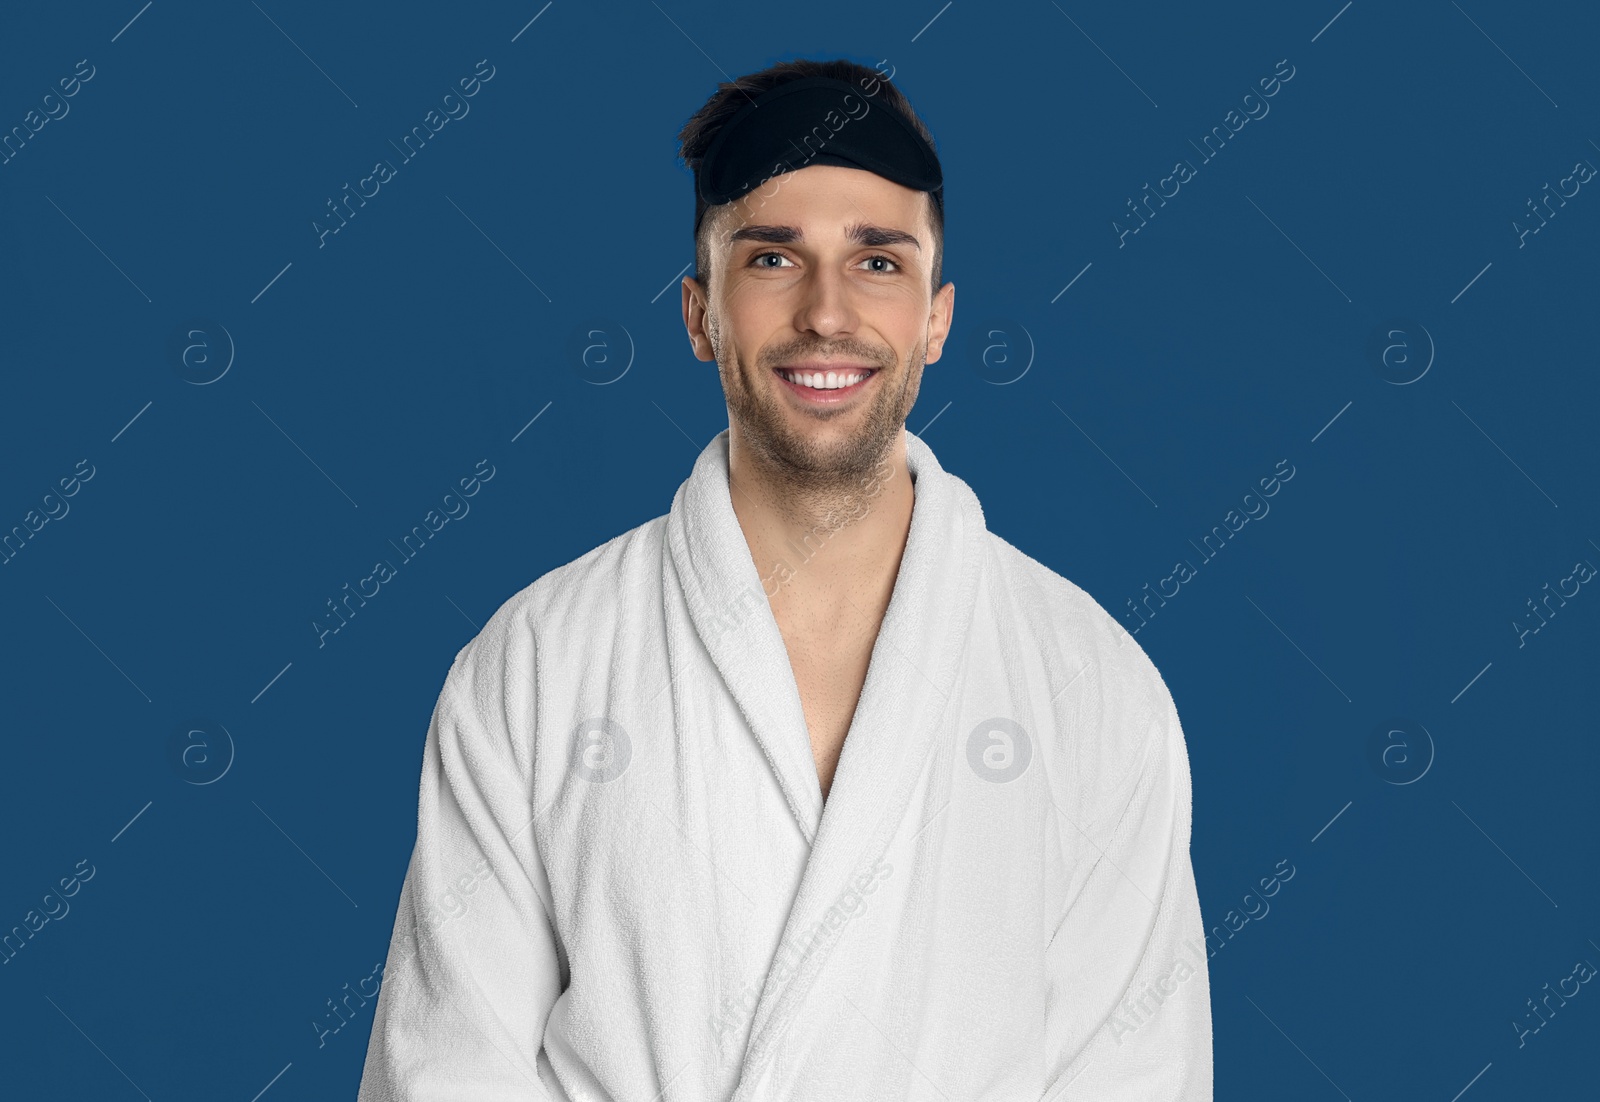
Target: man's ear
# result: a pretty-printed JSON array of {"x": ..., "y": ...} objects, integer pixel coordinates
[
  {"x": 694, "y": 319},
  {"x": 939, "y": 318}
]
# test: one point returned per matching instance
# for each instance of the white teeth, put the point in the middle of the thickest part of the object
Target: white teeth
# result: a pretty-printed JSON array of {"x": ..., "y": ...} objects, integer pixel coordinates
[{"x": 817, "y": 380}]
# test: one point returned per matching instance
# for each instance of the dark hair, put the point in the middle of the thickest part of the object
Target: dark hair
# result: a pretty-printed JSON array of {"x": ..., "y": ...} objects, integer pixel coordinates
[{"x": 697, "y": 134}]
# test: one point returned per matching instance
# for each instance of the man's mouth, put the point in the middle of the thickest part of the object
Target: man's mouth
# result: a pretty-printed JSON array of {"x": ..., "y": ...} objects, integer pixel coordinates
[{"x": 830, "y": 379}]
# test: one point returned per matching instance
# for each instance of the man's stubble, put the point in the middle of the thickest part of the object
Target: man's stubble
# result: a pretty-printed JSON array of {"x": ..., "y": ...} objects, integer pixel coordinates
[{"x": 811, "y": 478}]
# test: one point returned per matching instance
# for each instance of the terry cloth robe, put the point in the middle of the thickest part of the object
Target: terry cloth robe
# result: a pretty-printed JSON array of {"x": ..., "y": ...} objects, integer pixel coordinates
[{"x": 626, "y": 885}]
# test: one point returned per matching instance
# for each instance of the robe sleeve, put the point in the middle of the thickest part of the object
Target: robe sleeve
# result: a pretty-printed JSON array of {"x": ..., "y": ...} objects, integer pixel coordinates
[
  {"x": 474, "y": 965},
  {"x": 1129, "y": 1015}
]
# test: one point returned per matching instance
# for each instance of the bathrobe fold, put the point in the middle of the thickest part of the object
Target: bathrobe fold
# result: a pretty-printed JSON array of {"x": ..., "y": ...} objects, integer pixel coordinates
[{"x": 626, "y": 884}]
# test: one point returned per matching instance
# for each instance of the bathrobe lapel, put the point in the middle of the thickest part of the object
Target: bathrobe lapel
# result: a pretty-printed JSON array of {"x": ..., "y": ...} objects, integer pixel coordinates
[
  {"x": 709, "y": 562},
  {"x": 903, "y": 711}
]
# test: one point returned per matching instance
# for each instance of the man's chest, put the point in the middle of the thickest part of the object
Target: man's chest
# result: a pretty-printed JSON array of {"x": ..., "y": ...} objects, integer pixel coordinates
[{"x": 829, "y": 672}]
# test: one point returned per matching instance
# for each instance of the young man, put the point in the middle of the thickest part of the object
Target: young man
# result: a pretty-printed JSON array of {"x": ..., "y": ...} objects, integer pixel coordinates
[{"x": 812, "y": 788}]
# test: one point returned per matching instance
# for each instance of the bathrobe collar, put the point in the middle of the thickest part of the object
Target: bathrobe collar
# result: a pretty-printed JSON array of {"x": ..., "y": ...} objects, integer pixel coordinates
[
  {"x": 906, "y": 702},
  {"x": 910, "y": 672}
]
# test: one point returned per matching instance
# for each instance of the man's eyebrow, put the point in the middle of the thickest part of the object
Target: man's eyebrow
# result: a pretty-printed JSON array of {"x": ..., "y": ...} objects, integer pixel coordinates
[{"x": 859, "y": 233}]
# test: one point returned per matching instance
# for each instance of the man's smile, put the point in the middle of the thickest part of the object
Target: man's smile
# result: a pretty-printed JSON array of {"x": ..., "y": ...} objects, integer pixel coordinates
[{"x": 825, "y": 384}]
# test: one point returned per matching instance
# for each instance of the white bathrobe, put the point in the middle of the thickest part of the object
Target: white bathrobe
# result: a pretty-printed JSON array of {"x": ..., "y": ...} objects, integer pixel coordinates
[{"x": 627, "y": 887}]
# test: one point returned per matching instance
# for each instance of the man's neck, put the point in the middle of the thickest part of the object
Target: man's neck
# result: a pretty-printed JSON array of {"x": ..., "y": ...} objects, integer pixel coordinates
[{"x": 824, "y": 554}]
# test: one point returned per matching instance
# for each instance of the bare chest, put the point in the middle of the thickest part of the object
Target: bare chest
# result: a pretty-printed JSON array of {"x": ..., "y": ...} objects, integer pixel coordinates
[{"x": 829, "y": 674}]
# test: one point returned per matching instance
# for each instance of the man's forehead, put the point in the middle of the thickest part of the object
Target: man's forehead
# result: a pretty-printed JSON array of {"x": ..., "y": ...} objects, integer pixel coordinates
[
  {"x": 826, "y": 201},
  {"x": 824, "y": 180}
]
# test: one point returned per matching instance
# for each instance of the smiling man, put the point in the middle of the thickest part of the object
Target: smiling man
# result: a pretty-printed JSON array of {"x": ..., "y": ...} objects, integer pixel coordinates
[{"x": 813, "y": 787}]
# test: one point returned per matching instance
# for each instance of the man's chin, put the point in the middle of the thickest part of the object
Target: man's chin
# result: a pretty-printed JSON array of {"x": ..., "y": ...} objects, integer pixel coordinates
[{"x": 823, "y": 457}]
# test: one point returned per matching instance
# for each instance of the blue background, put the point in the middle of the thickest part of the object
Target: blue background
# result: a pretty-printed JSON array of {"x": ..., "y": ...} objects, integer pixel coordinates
[{"x": 366, "y": 375}]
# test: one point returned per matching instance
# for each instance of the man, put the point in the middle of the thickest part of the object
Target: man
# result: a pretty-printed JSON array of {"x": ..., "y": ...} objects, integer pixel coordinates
[{"x": 812, "y": 788}]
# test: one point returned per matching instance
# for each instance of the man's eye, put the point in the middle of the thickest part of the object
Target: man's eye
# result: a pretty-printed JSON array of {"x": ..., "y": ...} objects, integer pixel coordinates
[{"x": 894, "y": 265}]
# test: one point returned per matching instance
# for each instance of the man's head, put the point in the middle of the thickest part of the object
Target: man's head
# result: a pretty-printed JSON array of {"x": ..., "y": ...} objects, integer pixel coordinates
[{"x": 826, "y": 265}]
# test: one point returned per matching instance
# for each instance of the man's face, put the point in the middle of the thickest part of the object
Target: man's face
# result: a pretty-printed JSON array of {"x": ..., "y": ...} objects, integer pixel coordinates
[{"x": 825, "y": 269}]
